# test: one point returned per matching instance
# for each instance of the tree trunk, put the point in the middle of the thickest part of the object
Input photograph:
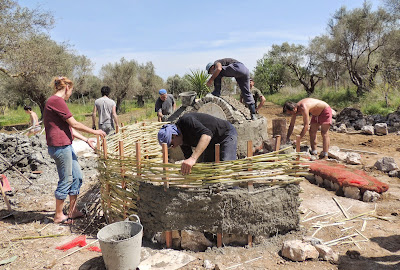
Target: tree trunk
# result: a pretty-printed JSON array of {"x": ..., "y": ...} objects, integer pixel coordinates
[
  {"x": 140, "y": 101},
  {"x": 279, "y": 128}
]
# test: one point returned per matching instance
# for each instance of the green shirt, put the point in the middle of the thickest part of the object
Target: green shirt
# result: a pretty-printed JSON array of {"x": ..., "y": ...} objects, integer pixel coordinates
[{"x": 256, "y": 94}]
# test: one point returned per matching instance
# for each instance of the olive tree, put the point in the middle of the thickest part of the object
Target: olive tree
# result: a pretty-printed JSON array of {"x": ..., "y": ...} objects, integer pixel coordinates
[
  {"x": 357, "y": 37},
  {"x": 177, "y": 85},
  {"x": 269, "y": 75},
  {"x": 39, "y": 59},
  {"x": 301, "y": 61},
  {"x": 150, "y": 83},
  {"x": 17, "y": 25},
  {"x": 122, "y": 78}
]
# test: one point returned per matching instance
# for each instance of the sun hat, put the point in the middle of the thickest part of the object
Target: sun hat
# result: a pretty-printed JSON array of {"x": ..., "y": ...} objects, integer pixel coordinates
[
  {"x": 162, "y": 91},
  {"x": 166, "y": 132}
]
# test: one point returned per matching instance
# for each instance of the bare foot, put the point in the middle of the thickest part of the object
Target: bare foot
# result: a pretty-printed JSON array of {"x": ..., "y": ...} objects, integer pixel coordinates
[
  {"x": 62, "y": 219},
  {"x": 77, "y": 214}
]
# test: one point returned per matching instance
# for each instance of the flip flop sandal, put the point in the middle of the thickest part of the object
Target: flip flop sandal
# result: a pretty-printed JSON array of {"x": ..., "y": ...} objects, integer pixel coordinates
[{"x": 66, "y": 221}]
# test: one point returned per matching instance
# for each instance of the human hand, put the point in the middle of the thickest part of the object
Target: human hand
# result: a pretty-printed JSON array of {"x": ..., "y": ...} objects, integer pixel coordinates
[
  {"x": 187, "y": 165},
  {"x": 91, "y": 142},
  {"x": 209, "y": 83},
  {"x": 100, "y": 132}
]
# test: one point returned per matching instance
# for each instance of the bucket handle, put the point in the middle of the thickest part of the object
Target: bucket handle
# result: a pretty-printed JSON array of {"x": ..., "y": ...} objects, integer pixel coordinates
[{"x": 133, "y": 215}]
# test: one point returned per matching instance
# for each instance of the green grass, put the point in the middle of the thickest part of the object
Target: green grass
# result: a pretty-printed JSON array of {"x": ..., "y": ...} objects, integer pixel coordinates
[
  {"x": 286, "y": 94},
  {"x": 16, "y": 116}
]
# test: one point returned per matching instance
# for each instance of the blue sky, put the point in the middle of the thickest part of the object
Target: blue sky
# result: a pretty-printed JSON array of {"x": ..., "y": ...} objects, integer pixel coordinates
[{"x": 179, "y": 36}]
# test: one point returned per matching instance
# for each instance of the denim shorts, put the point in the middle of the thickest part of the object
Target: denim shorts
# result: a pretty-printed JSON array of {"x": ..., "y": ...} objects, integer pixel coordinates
[{"x": 69, "y": 171}]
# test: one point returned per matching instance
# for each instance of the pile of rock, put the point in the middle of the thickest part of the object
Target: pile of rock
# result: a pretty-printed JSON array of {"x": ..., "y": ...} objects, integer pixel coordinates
[
  {"x": 388, "y": 165},
  {"x": 309, "y": 248},
  {"x": 29, "y": 156},
  {"x": 353, "y": 119},
  {"x": 26, "y": 154}
]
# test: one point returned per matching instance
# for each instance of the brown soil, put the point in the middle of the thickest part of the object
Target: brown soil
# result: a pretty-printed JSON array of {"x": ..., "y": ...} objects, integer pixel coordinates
[{"x": 382, "y": 251}]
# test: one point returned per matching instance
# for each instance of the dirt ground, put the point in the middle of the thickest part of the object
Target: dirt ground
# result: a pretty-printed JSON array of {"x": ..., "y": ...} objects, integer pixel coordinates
[{"x": 375, "y": 246}]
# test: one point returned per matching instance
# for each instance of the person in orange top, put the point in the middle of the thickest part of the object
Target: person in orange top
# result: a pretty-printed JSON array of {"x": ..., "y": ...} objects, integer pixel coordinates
[{"x": 321, "y": 116}]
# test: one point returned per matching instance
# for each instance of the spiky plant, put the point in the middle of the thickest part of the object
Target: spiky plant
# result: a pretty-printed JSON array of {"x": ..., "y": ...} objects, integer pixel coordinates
[{"x": 198, "y": 80}]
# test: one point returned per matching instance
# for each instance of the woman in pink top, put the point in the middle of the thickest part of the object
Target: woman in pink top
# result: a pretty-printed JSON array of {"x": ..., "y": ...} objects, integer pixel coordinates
[{"x": 61, "y": 128}]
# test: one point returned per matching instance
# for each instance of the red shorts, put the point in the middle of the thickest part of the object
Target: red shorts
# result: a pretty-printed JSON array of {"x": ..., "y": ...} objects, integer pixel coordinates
[{"x": 325, "y": 117}]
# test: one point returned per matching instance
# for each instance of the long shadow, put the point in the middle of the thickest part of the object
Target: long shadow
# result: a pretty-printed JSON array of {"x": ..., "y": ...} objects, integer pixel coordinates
[
  {"x": 370, "y": 263},
  {"x": 24, "y": 217},
  {"x": 96, "y": 263},
  {"x": 390, "y": 243}
]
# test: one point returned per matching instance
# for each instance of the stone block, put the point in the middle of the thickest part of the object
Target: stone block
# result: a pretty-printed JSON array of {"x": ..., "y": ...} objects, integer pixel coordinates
[
  {"x": 369, "y": 130},
  {"x": 334, "y": 152},
  {"x": 381, "y": 129},
  {"x": 370, "y": 196},
  {"x": 194, "y": 241},
  {"x": 352, "y": 192},
  {"x": 319, "y": 180},
  {"x": 296, "y": 250},
  {"x": 327, "y": 254},
  {"x": 342, "y": 128},
  {"x": 353, "y": 158},
  {"x": 386, "y": 164}
]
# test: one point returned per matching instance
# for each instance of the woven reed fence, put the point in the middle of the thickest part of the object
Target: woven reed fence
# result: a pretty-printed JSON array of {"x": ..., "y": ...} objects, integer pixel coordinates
[{"x": 133, "y": 155}]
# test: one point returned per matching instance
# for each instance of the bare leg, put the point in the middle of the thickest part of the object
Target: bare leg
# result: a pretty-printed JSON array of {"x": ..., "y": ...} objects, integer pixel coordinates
[
  {"x": 325, "y": 137},
  {"x": 313, "y": 136},
  {"x": 73, "y": 211},
  {"x": 59, "y": 216}
]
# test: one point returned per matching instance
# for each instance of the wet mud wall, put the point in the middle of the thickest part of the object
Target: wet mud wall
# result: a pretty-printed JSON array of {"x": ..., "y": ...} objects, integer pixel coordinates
[{"x": 264, "y": 211}]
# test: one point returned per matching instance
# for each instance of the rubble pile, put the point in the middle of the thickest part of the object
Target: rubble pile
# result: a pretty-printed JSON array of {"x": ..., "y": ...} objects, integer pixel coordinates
[
  {"x": 354, "y": 119},
  {"x": 29, "y": 157}
]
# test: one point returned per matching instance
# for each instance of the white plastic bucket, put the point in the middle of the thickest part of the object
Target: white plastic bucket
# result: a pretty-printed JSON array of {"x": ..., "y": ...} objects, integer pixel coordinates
[{"x": 121, "y": 244}]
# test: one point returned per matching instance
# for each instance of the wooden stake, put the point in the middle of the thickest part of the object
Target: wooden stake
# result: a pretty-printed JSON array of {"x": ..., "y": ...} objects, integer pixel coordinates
[
  {"x": 250, "y": 240},
  {"x": 105, "y": 147},
  {"x": 217, "y": 153},
  {"x": 217, "y": 160},
  {"x": 168, "y": 239},
  {"x": 298, "y": 140},
  {"x": 123, "y": 182},
  {"x": 219, "y": 240},
  {"x": 108, "y": 187},
  {"x": 121, "y": 157},
  {"x": 277, "y": 142},
  {"x": 138, "y": 159},
  {"x": 165, "y": 161},
  {"x": 250, "y": 186},
  {"x": 98, "y": 142},
  {"x": 117, "y": 129}
]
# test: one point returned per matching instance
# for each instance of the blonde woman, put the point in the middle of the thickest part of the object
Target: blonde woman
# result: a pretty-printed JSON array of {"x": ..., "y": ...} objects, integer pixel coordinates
[{"x": 61, "y": 128}]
